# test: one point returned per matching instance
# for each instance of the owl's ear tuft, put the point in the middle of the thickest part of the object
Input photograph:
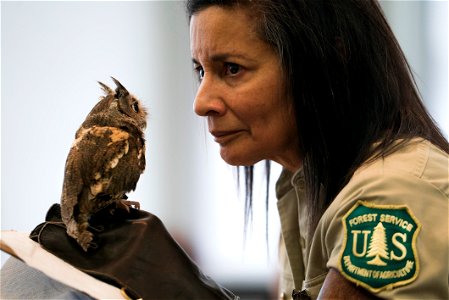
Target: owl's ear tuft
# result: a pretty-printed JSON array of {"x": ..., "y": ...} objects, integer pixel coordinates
[
  {"x": 120, "y": 91},
  {"x": 107, "y": 90}
]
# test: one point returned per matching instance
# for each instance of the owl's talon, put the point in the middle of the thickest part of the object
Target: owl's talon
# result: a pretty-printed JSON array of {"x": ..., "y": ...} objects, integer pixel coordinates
[
  {"x": 84, "y": 239},
  {"x": 126, "y": 204},
  {"x": 93, "y": 245},
  {"x": 98, "y": 228},
  {"x": 135, "y": 203}
]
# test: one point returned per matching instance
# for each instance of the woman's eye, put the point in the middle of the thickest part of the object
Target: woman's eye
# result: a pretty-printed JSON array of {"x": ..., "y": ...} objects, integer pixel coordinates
[
  {"x": 200, "y": 71},
  {"x": 232, "y": 69}
]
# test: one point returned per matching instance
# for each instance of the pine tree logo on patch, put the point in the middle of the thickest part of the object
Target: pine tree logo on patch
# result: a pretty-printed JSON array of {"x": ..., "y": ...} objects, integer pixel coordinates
[{"x": 379, "y": 250}]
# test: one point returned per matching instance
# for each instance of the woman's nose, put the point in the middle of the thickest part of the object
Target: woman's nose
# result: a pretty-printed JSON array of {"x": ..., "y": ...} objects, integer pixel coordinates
[{"x": 209, "y": 98}]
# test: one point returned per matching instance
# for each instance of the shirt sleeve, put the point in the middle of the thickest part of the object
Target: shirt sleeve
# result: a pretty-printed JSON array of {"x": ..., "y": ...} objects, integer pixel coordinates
[
  {"x": 389, "y": 234},
  {"x": 19, "y": 281}
]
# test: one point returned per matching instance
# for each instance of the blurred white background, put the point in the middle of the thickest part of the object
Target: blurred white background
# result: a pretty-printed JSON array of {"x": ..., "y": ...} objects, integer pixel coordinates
[{"x": 52, "y": 54}]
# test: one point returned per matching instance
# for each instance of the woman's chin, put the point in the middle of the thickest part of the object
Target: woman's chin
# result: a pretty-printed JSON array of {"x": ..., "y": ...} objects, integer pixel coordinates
[{"x": 237, "y": 158}]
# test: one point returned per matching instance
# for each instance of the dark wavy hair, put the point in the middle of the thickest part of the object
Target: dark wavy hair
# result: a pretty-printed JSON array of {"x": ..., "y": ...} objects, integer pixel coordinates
[{"x": 351, "y": 86}]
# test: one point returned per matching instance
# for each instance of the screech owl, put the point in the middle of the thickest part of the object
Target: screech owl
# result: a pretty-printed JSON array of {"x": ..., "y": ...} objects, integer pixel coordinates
[{"x": 105, "y": 161}]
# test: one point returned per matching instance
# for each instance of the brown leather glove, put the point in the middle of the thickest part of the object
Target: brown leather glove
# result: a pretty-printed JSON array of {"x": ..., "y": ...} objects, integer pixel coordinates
[{"x": 133, "y": 251}]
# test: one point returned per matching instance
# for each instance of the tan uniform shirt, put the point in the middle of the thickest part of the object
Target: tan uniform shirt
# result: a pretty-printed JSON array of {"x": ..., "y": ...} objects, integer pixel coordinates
[{"x": 387, "y": 230}]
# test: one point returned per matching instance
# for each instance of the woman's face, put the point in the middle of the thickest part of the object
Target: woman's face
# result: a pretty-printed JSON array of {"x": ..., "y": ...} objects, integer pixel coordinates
[{"x": 241, "y": 90}]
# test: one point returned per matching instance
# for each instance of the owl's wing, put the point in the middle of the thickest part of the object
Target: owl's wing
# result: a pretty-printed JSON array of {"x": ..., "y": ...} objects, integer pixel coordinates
[
  {"x": 72, "y": 186},
  {"x": 112, "y": 160},
  {"x": 103, "y": 160}
]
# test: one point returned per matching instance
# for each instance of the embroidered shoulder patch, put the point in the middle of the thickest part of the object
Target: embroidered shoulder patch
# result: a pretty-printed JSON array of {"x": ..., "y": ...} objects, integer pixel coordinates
[{"x": 379, "y": 249}]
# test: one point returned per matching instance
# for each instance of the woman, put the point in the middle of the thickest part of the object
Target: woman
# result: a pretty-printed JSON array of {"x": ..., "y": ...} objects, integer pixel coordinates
[{"x": 323, "y": 88}]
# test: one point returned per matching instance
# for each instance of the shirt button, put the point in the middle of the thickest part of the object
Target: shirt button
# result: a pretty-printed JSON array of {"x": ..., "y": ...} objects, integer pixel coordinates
[{"x": 301, "y": 184}]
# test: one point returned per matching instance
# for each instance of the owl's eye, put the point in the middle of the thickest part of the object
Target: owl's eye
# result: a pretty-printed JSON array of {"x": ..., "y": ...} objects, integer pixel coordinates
[{"x": 135, "y": 107}]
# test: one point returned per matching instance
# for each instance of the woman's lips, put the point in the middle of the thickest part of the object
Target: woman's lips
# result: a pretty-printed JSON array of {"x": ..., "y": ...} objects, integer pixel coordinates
[{"x": 223, "y": 137}]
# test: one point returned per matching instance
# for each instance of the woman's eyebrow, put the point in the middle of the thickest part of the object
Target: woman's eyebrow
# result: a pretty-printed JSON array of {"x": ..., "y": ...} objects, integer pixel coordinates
[{"x": 225, "y": 57}]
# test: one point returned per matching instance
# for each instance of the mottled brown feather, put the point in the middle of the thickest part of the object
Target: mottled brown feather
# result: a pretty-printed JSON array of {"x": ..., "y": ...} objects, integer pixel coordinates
[{"x": 105, "y": 161}]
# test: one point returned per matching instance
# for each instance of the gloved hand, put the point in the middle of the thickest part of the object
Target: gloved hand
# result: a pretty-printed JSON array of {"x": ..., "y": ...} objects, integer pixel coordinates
[{"x": 133, "y": 251}]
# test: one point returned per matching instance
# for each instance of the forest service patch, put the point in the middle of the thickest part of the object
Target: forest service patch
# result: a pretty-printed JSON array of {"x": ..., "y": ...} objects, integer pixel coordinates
[{"x": 379, "y": 249}]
